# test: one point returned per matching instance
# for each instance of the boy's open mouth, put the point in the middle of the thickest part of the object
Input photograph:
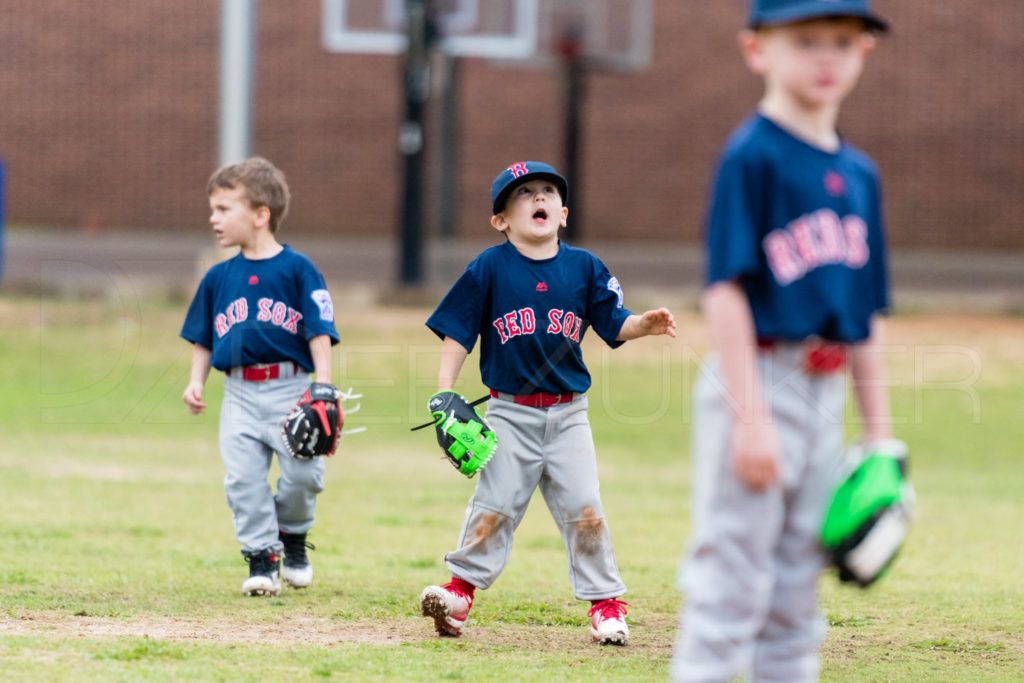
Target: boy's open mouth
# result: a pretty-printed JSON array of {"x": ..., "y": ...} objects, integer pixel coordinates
[{"x": 541, "y": 214}]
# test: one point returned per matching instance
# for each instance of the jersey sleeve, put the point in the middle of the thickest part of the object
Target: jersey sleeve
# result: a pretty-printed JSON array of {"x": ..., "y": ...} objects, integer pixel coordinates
[
  {"x": 317, "y": 308},
  {"x": 606, "y": 311},
  {"x": 732, "y": 232},
  {"x": 459, "y": 314},
  {"x": 198, "y": 325}
]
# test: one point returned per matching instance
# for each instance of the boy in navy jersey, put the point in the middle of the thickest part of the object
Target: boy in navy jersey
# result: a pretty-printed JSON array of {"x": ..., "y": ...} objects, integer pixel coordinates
[
  {"x": 266, "y": 320},
  {"x": 796, "y": 279},
  {"x": 530, "y": 301}
]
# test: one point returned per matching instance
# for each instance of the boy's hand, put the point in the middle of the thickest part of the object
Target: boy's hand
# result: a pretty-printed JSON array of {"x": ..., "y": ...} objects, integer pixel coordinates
[
  {"x": 659, "y": 321},
  {"x": 193, "y": 398},
  {"x": 756, "y": 457}
]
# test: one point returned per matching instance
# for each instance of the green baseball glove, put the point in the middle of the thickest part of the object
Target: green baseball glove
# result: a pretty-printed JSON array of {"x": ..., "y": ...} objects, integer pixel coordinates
[
  {"x": 869, "y": 513},
  {"x": 466, "y": 438}
]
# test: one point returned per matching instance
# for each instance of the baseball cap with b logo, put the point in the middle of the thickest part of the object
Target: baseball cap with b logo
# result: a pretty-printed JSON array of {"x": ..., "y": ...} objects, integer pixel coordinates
[
  {"x": 768, "y": 12},
  {"x": 520, "y": 172}
]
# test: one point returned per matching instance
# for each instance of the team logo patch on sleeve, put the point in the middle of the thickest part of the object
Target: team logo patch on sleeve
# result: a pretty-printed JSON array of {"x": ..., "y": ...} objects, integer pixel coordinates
[
  {"x": 614, "y": 286},
  {"x": 323, "y": 301}
]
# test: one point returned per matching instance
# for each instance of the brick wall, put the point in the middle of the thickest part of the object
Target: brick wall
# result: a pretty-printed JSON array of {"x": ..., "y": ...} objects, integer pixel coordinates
[{"x": 109, "y": 119}]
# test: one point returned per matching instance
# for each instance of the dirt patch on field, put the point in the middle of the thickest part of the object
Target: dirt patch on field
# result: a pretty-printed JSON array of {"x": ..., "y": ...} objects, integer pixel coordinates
[
  {"x": 654, "y": 638},
  {"x": 292, "y": 629}
]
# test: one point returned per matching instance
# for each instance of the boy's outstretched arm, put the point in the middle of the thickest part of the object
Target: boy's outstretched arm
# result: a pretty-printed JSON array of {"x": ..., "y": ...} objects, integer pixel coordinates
[
  {"x": 756, "y": 452},
  {"x": 453, "y": 355},
  {"x": 658, "y": 321},
  {"x": 193, "y": 395},
  {"x": 867, "y": 370}
]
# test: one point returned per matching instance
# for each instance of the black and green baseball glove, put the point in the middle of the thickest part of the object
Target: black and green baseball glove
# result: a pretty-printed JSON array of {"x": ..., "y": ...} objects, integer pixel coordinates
[
  {"x": 868, "y": 516},
  {"x": 466, "y": 438}
]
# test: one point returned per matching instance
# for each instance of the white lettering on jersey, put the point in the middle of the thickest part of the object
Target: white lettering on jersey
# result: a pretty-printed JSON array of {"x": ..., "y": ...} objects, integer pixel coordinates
[
  {"x": 512, "y": 324},
  {"x": 524, "y": 321},
  {"x": 565, "y": 323},
  {"x": 555, "y": 321},
  {"x": 499, "y": 325},
  {"x": 516, "y": 323},
  {"x": 236, "y": 312},
  {"x": 278, "y": 313},
  {"x": 528, "y": 321},
  {"x": 813, "y": 240},
  {"x": 856, "y": 232}
]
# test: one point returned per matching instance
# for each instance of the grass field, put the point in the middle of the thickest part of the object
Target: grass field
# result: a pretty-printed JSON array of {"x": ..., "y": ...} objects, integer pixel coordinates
[{"x": 120, "y": 562}]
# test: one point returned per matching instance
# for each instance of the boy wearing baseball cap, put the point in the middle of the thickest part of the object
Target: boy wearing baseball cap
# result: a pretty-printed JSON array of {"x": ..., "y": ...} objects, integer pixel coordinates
[
  {"x": 796, "y": 281},
  {"x": 530, "y": 300}
]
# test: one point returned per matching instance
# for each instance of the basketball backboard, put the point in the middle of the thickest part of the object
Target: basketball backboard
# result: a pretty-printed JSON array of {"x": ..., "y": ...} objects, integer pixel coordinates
[
  {"x": 611, "y": 35},
  {"x": 493, "y": 29}
]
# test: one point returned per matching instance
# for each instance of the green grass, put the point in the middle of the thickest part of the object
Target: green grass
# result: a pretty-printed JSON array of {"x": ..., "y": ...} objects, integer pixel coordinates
[{"x": 120, "y": 562}]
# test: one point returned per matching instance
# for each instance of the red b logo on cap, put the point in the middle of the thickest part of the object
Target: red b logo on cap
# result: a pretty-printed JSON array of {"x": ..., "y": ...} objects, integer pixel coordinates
[{"x": 518, "y": 169}]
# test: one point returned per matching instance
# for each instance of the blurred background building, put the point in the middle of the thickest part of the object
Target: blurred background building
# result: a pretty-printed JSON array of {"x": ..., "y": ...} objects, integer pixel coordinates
[{"x": 109, "y": 120}]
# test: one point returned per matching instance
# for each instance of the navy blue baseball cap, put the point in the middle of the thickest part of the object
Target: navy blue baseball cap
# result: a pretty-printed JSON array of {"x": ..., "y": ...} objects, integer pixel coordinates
[
  {"x": 768, "y": 12},
  {"x": 520, "y": 172}
]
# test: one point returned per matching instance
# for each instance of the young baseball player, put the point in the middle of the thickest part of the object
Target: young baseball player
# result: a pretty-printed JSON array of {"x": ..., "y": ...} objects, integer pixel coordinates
[
  {"x": 266, "y": 320},
  {"x": 530, "y": 301},
  {"x": 796, "y": 279}
]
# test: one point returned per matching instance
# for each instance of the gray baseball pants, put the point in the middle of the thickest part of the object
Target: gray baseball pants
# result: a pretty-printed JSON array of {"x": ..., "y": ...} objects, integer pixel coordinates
[
  {"x": 552, "y": 448},
  {"x": 250, "y": 435},
  {"x": 750, "y": 579}
]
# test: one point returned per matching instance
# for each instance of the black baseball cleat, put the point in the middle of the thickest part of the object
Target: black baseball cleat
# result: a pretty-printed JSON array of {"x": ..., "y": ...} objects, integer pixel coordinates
[
  {"x": 264, "y": 573},
  {"x": 296, "y": 570}
]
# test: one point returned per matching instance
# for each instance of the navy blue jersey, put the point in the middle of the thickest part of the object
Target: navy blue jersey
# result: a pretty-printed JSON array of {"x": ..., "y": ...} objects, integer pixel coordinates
[
  {"x": 801, "y": 229},
  {"x": 260, "y": 311},
  {"x": 530, "y": 316}
]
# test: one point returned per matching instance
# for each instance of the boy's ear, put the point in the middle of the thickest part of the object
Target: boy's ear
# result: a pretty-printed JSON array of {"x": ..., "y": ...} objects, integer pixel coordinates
[
  {"x": 499, "y": 222},
  {"x": 868, "y": 41},
  {"x": 565, "y": 217},
  {"x": 751, "y": 50},
  {"x": 262, "y": 215}
]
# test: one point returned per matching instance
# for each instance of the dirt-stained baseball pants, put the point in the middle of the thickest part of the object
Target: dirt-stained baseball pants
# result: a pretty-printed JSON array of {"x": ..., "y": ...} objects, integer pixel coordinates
[
  {"x": 552, "y": 448},
  {"x": 750, "y": 578},
  {"x": 250, "y": 435}
]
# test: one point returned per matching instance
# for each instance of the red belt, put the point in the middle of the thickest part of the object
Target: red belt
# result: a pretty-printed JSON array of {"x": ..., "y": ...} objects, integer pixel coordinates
[
  {"x": 262, "y": 373},
  {"x": 541, "y": 400},
  {"x": 819, "y": 357}
]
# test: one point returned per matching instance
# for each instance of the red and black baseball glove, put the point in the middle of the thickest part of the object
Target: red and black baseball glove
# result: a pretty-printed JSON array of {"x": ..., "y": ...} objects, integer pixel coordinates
[{"x": 312, "y": 427}]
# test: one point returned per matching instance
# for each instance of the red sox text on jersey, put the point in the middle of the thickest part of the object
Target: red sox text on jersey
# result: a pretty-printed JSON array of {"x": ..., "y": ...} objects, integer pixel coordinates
[
  {"x": 816, "y": 239},
  {"x": 275, "y": 312},
  {"x": 524, "y": 321}
]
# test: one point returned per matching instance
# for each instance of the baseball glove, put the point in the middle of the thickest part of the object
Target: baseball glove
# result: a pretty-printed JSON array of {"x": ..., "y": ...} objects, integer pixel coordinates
[
  {"x": 312, "y": 427},
  {"x": 869, "y": 513},
  {"x": 466, "y": 438}
]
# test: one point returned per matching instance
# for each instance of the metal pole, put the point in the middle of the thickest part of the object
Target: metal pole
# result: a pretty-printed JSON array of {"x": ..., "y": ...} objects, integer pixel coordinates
[
  {"x": 446, "y": 213},
  {"x": 571, "y": 50},
  {"x": 237, "y": 57},
  {"x": 1, "y": 218},
  {"x": 411, "y": 137},
  {"x": 573, "y": 133}
]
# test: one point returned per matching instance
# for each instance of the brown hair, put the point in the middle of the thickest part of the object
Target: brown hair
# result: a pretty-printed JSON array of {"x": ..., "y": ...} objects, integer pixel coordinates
[{"x": 264, "y": 185}]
